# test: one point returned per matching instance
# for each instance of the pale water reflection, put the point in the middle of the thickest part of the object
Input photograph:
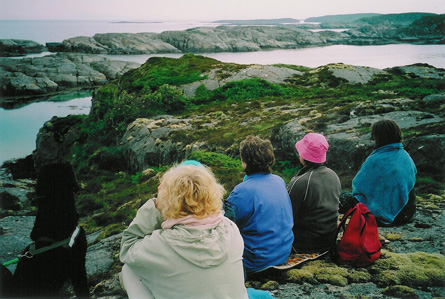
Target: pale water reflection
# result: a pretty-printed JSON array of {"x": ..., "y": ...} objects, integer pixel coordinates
[{"x": 381, "y": 57}]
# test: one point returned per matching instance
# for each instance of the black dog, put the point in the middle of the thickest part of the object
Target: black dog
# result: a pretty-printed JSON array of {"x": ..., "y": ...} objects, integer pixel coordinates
[{"x": 44, "y": 274}]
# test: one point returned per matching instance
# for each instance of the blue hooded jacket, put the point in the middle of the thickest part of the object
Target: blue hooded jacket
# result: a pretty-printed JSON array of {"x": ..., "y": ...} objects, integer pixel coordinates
[
  {"x": 384, "y": 181},
  {"x": 264, "y": 217}
]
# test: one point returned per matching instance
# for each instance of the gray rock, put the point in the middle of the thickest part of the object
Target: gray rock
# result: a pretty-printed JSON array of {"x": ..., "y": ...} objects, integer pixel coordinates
[
  {"x": 269, "y": 73},
  {"x": 15, "y": 237},
  {"x": 54, "y": 141},
  {"x": 435, "y": 99},
  {"x": 422, "y": 71},
  {"x": 101, "y": 256},
  {"x": 146, "y": 142},
  {"x": 55, "y": 73},
  {"x": 354, "y": 74}
]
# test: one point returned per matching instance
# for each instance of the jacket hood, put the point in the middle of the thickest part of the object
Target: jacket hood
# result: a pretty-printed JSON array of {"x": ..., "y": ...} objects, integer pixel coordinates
[{"x": 203, "y": 247}]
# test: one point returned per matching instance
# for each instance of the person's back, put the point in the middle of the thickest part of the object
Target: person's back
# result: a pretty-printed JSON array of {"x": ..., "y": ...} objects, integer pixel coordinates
[
  {"x": 262, "y": 208},
  {"x": 314, "y": 194},
  {"x": 181, "y": 245},
  {"x": 264, "y": 216},
  {"x": 385, "y": 181}
]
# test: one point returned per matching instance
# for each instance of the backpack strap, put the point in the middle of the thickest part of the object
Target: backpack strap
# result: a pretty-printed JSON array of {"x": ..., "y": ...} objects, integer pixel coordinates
[{"x": 341, "y": 225}]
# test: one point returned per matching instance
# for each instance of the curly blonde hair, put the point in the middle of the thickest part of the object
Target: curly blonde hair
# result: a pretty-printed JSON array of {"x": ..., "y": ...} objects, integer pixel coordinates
[{"x": 189, "y": 190}]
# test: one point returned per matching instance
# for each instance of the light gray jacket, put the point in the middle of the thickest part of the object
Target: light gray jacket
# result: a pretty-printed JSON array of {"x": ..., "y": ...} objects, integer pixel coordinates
[{"x": 184, "y": 261}]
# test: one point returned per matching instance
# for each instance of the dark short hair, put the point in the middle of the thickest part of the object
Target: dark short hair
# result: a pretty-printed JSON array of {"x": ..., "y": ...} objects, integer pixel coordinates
[
  {"x": 385, "y": 131},
  {"x": 258, "y": 154}
]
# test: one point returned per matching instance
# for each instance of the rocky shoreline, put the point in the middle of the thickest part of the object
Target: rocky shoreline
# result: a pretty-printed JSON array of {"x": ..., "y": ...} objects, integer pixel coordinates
[
  {"x": 414, "y": 28},
  {"x": 41, "y": 76}
]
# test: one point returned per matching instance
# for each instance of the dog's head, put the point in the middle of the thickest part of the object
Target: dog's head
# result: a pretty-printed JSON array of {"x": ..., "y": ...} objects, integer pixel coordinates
[{"x": 56, "y": 211}]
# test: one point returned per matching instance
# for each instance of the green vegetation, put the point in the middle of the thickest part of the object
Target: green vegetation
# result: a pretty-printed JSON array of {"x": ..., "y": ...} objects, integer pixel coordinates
[{"x": 223, "y": 117}]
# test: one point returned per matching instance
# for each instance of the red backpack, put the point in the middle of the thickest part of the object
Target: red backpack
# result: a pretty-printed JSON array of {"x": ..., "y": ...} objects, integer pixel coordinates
[{"x": 360, "y": 245}]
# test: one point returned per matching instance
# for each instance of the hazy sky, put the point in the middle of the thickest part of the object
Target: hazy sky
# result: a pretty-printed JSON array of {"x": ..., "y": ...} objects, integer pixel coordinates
[{"x": 203, "y": 10}]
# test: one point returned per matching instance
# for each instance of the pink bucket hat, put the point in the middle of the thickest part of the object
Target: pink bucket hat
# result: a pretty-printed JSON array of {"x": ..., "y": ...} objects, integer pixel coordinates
[{"x": 313, "y": 148}]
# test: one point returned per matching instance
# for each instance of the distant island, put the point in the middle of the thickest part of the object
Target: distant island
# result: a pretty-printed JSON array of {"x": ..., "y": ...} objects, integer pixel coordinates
[
  {"x": 260, "y": 21},
  {"x": 255, "y": 35},
  {"x": 135, "y": 22}
]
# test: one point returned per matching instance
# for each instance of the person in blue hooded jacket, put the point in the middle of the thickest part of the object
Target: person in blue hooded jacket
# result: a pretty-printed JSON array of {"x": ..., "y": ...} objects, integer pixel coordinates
[
  {"x": 263, "y": 211},
  {"x": 385, "y": 181}
]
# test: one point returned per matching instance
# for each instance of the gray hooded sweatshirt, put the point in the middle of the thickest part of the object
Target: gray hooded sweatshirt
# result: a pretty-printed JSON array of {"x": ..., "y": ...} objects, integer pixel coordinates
[{"x": 184, "y": 261}]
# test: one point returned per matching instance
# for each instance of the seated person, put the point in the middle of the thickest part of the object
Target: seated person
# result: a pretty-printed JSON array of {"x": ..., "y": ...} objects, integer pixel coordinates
[
  {"x": 180, "y": 245},
  {"x": 314, "y": 193},
  {"x": 385, "y": 181},
  {"x": 263, "y": 211}
]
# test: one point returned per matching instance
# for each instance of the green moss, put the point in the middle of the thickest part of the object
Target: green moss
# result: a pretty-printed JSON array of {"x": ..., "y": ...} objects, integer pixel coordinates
[
  {"x": 270, "y": 285},
  {"x": 393, "y": 236},
  {"x": 418, "y": 269},
  {"x": 299, "y": 276},
  {"x": 158, "y": 71},
  {"x": 358, "y": 276},
  {"x": 399, "y": 291}
]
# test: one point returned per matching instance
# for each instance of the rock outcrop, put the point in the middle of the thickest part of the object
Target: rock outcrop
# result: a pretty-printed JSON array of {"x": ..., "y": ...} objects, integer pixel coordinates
[
  {"x": 55, "y": 141},
  {"x": 269, "y": 73},
  {"x": 118, "y": 43},
  {"x": 150, "y": 141},
  {"x": 59, "y": 72},
  {"x": 258, "y": 38},
  {"x": 19, "y": 47}
]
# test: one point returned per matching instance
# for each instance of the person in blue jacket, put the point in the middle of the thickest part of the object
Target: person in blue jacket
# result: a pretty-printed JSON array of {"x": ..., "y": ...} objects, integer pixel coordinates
[{"x": 263, "y": 211}]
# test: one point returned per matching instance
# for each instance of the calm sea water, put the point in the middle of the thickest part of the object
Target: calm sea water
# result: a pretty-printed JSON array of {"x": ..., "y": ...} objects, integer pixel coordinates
[{"x": 19, "y": 127}]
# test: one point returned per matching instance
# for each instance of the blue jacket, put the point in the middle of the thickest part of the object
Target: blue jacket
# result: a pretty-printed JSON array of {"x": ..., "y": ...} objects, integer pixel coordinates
[
  {"x": 384, "y": 181},
  {"x": 264, "y": 217}
]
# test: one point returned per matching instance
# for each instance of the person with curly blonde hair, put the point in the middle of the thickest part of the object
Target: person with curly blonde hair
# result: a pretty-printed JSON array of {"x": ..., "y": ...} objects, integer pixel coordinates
[{"x": 180, "y": 244}]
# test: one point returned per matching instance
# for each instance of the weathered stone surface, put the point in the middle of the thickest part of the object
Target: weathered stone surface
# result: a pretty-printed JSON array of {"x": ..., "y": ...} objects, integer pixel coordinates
[
  {"x": 146, "y": 142},
  {"x": 435, "y": 99},
  {"x": 422, "y": 71},
  {"x": 269, "y": 73},
  {"x": 100, "y": 256},
  {"x": 354, "y": 74},
  {"x": 54, "y": 141},
  {"x": 19, "y": 47},
  {"x": 60, "y": 72},
  {"x": 118, "y": 43}
]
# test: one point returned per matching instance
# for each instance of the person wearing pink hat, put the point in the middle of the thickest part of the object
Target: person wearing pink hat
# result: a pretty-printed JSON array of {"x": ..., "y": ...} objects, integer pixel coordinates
[{"x": 314, "y": 193}]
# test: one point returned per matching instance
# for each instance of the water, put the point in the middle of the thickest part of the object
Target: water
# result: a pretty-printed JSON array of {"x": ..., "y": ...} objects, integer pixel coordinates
[
  {"x": 373, "y": 56},
  {"x": 19, "y": 127},
  {"x": 56, "y": 31}
]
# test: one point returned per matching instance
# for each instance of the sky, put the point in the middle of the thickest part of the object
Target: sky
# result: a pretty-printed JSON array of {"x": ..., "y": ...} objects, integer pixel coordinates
[{"x": 203, "y": 10}]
